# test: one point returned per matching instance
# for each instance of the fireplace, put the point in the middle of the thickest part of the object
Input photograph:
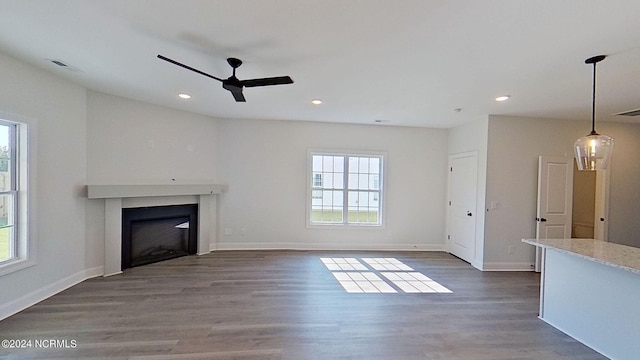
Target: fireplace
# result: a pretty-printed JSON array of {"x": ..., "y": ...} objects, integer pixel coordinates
[
  {"x": 124, "y": 196},
  {"x": 153, "y": 234}
]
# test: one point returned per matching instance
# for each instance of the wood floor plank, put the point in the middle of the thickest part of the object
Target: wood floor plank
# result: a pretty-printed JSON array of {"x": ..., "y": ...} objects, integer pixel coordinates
[{"x": 288, "y": 305}]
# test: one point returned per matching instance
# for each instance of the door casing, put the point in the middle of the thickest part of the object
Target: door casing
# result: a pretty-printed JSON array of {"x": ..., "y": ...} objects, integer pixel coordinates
[{"x": 462, "y": 205}]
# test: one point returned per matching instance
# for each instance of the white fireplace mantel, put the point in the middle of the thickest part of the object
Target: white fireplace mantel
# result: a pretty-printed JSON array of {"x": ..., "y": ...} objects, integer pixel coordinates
[
  {"x": 113, "y": 204},
  {"x": 126, "y": 191}
]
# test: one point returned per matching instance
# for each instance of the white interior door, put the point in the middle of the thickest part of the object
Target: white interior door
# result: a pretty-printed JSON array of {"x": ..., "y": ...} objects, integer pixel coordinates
[
  {"x": 555, "y": 198},
  {"x": 463, "y": 183}
]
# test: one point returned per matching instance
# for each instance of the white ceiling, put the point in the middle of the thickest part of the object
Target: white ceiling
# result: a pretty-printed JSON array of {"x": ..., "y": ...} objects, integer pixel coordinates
[{"x": 409, "y": 62}]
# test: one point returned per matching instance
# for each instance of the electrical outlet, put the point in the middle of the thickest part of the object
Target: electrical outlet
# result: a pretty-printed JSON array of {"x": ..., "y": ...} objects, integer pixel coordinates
[{"x": 510, "y": 249}]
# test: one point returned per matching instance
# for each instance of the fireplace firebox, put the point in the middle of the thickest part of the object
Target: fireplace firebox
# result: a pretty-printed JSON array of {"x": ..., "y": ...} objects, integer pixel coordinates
[{"x": 153, "y": 234}]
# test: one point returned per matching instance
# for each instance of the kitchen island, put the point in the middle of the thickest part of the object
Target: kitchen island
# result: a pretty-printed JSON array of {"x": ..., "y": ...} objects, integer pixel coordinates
[{"x": 590, "y": 290}]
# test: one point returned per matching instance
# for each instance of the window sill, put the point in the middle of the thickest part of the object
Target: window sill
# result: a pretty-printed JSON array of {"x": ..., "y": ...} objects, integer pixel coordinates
[
  {"x": 345, "y": 226},
  {"x": 15, "y": 265}
]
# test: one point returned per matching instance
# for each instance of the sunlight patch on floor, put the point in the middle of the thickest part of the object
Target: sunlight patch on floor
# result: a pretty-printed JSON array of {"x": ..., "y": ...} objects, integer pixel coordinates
[
  {"x": 354, "y": 277},
  {"x": 391, "y": 264},
  {"x": 414, "y": 282},
  {"x": 343, "y": 264},
  {"x": 362, "y": 282}
]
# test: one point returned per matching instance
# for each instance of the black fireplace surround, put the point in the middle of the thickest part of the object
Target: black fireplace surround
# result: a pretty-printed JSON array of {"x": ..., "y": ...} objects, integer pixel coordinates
[{"x": 152, "y": 234}]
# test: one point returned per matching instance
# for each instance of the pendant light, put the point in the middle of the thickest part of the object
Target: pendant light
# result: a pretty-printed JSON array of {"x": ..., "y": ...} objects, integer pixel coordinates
[{"x": 593, "y": 152}]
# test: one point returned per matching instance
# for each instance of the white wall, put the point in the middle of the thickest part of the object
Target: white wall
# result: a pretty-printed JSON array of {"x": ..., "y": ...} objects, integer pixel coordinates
[
  {"x": 514, "y": 146},
  {"x": 58, "y": 108},
  {"x": 512, "y": 179},
  {"x": 624, "y": 197},
  {"x": 132, "y": 142},
  {"x": 264, "y": 165},
  {"x": 473, "y": 137}
]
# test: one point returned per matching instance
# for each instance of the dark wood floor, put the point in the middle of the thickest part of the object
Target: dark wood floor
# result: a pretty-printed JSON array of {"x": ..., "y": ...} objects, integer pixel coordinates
[{"x": 287, "y": 305}]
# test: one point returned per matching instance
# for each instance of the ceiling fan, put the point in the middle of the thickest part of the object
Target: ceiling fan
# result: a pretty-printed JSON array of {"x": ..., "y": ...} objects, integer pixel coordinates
[{"x": 232, "y": 83}]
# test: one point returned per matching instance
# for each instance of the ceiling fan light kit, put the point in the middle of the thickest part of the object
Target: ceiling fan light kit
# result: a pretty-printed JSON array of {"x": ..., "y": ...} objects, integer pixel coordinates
[
  {"x": 593, "y": 151},
  {"x": 232, "y": 83}
]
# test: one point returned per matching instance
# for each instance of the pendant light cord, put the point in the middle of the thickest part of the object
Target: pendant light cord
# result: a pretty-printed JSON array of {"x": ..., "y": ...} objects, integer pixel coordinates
[
  {"x": 593, "y": 103},
  {"x": 594, "y": 60}
]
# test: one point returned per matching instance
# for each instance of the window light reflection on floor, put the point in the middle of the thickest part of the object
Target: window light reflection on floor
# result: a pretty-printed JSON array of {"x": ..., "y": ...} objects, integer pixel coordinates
[
  {"x": 391, "y": 264},
  {"x": 343, "y": 264},
  {"x": 362, "y": 282},
  {"x": 414, "y": 282},
  {"x": 354, "y": 277}
]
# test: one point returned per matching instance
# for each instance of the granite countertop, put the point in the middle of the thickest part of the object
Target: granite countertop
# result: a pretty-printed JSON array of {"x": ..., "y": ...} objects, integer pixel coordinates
[{"x": 616, "y": 255}]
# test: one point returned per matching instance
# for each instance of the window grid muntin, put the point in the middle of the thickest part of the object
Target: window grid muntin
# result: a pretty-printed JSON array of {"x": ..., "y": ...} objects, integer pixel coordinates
[
  {"x": 327, "y": 203},
  {"x": 364, "y": 190},
  {"x": 361, "y": 188}
]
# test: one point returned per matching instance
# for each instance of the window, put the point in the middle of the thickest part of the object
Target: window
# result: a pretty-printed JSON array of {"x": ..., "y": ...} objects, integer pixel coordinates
[
  {"x": 17, "y": 250},
  {"x": 8, "y": 192},
  {"x": 342, "y": 182}
]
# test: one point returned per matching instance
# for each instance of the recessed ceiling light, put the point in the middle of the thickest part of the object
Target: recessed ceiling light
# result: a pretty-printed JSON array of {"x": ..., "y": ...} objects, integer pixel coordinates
[
  {"x": 503, "y": 98},
  {"x": 184, "y": 96},
  {"x": 316, "y": 101}
]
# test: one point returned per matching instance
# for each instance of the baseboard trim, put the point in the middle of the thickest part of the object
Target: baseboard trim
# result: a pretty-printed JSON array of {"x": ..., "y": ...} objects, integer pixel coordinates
[
  {"x": 327, "y": 247},
  {"x": 478, "y": 265},
  {"x": 35, "y": 297},
  {"x": 507, "y": 266}
]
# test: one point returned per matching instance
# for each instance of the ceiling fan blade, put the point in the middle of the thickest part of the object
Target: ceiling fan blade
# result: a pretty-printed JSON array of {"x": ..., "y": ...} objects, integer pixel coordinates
[
  {"x": 188, "y": 67},
  {"x": 278, "y": 80},
  {"x": 237, "y": 94},
  {"x": 236, "y": 91}
]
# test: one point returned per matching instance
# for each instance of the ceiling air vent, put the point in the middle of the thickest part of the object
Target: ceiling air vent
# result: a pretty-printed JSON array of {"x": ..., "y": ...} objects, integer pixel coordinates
[
  {"x": 63, "y": 65},
  {"x": 635, "y": 112}
]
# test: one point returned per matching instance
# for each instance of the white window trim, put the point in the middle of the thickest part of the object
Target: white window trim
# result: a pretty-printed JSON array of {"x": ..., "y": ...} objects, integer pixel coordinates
[
  {"x": 26, "y": 212},
  {"x": 346, "y": 225}
]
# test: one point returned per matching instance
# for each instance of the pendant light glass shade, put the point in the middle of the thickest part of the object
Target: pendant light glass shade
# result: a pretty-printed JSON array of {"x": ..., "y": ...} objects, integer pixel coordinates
[{"x": 593, "y": 152}]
